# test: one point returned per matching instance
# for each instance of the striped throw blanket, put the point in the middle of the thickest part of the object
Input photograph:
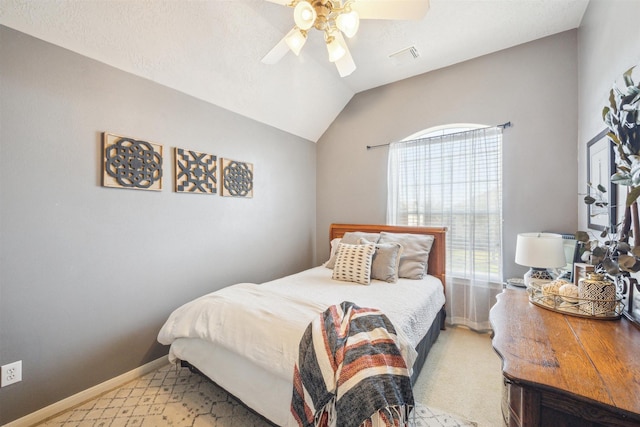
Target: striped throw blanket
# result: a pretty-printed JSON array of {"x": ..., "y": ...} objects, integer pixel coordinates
[{"x": 352, "y": 371}]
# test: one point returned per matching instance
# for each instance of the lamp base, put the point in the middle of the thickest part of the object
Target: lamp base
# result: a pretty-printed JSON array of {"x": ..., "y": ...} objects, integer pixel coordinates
[{"x": 536, "y": 277}]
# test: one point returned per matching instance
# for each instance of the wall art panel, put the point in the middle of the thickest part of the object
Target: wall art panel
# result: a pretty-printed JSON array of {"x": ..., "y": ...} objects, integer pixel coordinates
[
  {"x": 236, "y": 178},
  {"x": 195, "y": 172},
  {"x": 131, "y": 163}
]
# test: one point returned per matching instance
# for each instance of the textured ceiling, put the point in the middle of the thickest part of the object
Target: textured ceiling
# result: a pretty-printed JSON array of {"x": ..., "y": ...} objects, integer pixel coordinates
[{"x": 211, "y": 49}]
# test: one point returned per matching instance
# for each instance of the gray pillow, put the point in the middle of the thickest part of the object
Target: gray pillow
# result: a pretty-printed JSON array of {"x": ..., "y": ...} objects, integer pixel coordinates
[
  {"x": 386, "y": 260},
  {"x": 350, "y": 238},
  {"x": 415, "y": 253}
]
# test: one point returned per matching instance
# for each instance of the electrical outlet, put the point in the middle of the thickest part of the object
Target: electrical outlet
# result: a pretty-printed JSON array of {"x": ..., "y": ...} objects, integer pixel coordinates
[{"x": 11, "y": 373}]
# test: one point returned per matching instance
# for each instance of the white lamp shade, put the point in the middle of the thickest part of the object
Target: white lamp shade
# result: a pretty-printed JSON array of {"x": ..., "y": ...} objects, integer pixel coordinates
[
  {"x": 540, "y": 250},
  {"x": 295, "y": 40},
  {"x": 336, "y": 49},
  {"x": 348, "y": 23},
  {"x": 304, "y": 15}
]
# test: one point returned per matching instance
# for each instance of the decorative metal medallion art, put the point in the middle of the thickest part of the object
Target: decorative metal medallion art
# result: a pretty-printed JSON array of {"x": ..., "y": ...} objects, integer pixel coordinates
[
  {"x": 237, "y": 178},
  {"x": 195, "y": 172},
  {"x": 129, "y": 163}
]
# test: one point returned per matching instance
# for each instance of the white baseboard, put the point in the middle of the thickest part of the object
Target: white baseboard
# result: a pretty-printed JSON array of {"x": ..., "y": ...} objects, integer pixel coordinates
[{"x": 88, "y": 394}]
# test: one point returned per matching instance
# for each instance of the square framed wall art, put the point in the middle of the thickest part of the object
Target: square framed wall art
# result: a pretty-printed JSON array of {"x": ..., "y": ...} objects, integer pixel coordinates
[
  {"x": 236, "y": 178},
  {"x": 195, "y": 172},
  {"x": 131, "y": 163}
]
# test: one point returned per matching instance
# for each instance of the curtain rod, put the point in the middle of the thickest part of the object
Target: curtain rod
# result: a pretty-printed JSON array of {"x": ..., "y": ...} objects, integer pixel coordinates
[{"x": 503, "y": 126}]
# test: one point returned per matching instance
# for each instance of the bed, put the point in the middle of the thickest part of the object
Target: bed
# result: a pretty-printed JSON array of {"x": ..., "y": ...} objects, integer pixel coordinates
[{"x": 255, "y": 361}]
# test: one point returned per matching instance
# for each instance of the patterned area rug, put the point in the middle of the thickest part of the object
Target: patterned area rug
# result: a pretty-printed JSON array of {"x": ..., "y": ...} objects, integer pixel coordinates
[{"x": 174, "y": 396}]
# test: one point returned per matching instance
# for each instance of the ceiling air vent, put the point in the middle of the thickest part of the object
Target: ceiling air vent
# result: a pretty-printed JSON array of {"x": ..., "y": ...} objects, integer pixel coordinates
[{"x": 404, "y": 56}]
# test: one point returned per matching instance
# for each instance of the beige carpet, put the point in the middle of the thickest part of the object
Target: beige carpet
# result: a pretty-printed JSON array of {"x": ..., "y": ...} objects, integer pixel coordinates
[
  {"x": 449, "y": 394},
  {"x": 463, "y": 376}
]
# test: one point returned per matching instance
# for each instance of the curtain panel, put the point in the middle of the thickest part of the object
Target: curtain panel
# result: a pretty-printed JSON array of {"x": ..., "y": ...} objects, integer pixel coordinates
[{"x": 455, "y": 180}]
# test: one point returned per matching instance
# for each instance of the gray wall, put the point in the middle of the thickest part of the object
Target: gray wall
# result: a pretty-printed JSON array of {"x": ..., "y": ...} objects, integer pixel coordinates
[
  {"x": 533, "y": 85},
  {"x": 89, "y": 274},
  {"x": 609, "y": 46}
]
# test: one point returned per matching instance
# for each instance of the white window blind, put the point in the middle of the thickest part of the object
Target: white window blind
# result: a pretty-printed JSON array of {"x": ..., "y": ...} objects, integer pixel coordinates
[{"x": 454, "y": 180}]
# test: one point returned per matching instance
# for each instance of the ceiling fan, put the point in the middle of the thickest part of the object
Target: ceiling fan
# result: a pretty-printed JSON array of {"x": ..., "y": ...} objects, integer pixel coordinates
[{"x": 335, "y": 18}]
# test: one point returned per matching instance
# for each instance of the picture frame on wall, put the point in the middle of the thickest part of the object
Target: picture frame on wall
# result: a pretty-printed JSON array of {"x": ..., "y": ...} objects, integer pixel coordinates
[
  {"x": 131, "y": 163},
  {"x": 600, "y": 167},
  {"x": 195, "y": 172},
  {"x": 236, "y": 178},
  {"x": 629, "y": 289}
]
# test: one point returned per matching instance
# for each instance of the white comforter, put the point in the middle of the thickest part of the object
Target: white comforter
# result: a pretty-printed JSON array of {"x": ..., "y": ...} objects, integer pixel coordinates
[{"x": 265, "y": 322}]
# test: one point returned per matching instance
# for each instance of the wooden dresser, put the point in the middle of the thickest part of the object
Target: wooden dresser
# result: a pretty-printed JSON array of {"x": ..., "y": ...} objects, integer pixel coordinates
[{"x": 562, "y": 370}]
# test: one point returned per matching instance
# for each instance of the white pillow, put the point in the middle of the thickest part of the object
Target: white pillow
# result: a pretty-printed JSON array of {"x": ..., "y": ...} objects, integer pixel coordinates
[
  {"x": 353, "y": 263},
  {"x": 332, "y": 256},
  {"x": 415, "y": 254}
]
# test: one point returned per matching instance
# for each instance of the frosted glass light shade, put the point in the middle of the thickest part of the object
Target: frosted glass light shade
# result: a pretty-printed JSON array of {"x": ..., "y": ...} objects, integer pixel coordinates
[
  {"x": 304, "y": 15},
  {"x": 348, "y": 23},
  {"x": 295, "y": 40},
  {"x": 336, "y": 50},
  {"x": 540, "y": 250}
]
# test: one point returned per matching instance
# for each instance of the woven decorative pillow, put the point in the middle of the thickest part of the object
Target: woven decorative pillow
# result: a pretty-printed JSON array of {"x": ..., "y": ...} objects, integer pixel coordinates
[{"x": 353, "y": 263}]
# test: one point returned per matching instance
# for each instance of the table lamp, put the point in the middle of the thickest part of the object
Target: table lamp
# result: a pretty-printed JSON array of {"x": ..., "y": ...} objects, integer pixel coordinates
[{"x": 540, "y": 252}]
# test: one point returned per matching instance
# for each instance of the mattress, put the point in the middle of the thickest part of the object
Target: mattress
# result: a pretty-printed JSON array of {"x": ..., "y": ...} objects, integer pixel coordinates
[{"x": 245, "y": 337}]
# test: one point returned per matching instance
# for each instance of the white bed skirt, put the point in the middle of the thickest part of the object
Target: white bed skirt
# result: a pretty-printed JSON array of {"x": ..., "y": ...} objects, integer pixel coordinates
[{"x": 264, "y": 392}]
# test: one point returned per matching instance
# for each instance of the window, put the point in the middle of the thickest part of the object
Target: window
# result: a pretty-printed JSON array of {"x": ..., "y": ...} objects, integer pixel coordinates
[{"x": 452, "y": 176}]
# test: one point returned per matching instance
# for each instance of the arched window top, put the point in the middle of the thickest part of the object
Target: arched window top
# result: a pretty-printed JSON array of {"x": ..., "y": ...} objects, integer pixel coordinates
[
  {"x": 444, "y": 130},
  {"x": 452, "y": 176}
]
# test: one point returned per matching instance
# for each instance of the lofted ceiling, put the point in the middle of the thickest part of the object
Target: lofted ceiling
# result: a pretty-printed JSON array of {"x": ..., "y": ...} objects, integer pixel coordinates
[{"x": 211, "y": 49}]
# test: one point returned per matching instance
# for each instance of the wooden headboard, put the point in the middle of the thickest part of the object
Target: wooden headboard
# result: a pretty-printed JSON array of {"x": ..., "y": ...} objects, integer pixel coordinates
[{"x": 437, "y": 256}]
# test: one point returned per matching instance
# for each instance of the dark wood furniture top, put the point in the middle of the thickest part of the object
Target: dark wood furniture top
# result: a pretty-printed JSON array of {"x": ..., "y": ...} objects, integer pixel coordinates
[
  {"x": 437, "y": 263},
  {"x": 578, "y": 371}
]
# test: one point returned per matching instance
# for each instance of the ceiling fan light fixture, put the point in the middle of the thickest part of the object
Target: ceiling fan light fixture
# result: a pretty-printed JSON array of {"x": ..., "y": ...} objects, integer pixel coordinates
[
  {"x": 295, "y": 40},
  {"x": 345, "y": 65},
  {"x": 338, "y": 19},
  {"x": 304, "y": 15},
  {"x": 335, "y": 49},
  {"x": 348, "y": 23}
]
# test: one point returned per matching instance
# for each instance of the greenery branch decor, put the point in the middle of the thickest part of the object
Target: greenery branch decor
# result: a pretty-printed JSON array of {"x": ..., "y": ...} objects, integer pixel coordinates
[
  {"x": 622, "y": 117},
  {"x": 612, "y": 253},
  {"x": 609, "y": 254}
]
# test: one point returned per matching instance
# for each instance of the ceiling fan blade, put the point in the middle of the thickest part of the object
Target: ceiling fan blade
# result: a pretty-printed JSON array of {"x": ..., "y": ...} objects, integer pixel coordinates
[
  {"x": 391, "y": 9},
  {"x": 282, "y": 2},
  {"x": 278, "y": 51},
  {"x": 345, "y": 65}
]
